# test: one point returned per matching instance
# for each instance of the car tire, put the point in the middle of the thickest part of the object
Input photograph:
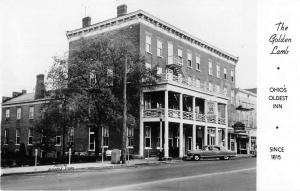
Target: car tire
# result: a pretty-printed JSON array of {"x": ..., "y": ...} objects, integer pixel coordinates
[
  {"x": 225, "y": 158},
  {"x": 196, "y": 157}
]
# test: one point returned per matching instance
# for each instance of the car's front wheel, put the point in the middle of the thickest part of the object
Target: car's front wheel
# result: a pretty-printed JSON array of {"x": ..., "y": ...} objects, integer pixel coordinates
[
  {"x": 196, "y": 157},
  {"x": 225, "y": 157}
]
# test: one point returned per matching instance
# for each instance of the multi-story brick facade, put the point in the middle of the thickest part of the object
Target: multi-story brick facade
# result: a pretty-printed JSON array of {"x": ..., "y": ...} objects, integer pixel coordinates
[
  {"x": 19, "y": 113},
  {"x": 193, "y": 103}
]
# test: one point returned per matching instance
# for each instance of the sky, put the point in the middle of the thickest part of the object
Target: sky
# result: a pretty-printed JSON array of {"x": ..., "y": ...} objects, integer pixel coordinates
[{"x": 33, "y": 32}]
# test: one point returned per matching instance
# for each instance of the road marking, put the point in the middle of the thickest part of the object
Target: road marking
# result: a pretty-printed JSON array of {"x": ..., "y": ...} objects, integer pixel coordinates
[{"x": 175, "y": 179}]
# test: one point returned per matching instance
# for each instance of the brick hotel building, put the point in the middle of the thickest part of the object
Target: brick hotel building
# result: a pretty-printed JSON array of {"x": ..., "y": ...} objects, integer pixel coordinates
[{"x": 192, "y": 105}]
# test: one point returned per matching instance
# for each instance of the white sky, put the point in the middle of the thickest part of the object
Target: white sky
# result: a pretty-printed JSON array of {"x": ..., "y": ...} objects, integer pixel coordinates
[{"x": 33, "y": 31}]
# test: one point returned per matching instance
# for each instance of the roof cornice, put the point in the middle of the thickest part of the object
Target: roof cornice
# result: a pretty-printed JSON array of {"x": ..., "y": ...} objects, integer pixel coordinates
[{"x": 157, "y": 22}]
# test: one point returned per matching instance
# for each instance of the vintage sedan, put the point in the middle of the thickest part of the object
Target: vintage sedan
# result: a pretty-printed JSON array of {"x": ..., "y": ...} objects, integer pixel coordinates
[{"x": 211, "y": 151}]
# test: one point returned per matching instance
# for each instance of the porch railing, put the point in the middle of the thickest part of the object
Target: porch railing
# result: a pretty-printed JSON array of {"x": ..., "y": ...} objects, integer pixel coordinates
[
  {"x": 187, "y": 115},
  {"x": 153, "y": 113},
  {"x": 221, "y": 120},
  {"x": 200, "y": 117},
  {"x": 211, "y": 118},
  {"x": 174, "y": 113}
]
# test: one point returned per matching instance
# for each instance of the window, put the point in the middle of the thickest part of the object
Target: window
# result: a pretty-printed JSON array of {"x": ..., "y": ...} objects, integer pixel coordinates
[
  {"x": 210, "y": 87},
  {"x": 71, "y": 136},
  {"x": 91, "y": 140},
  {"x": 130, "y": 132},
  {"x": 30, "y": 137},
  {"x": 148, "y": 44},
  {"x": 159, "y": 70},
  {"x": 170, "y": 53},
  {"x": 93, "y": 79},
  {"x": 18, "y": 113},
  {"x": 147, "y": 137},
  {"x": 218, "y": 71},
  {"x": 17, "y": 136},
  {"x": 105, "y": 136},
  {"x": 180, "y": 59},
  {"x": 210, "y": 67},
  {"x": 198, "y": 63},
  {"x": 232, "y": 75},
  {"x": 225, "y": 73},
  {"x": 232, "y": 96},
  {"x": 225, "y": 91},
  {"x": 57, "y": 140},
  {"x": 110, "y": 76},
  {"x": 198, "y": 83},
  {"x": 7, "y": 113},
  {"x": 159, "y": 48},
  {"x": 217, "y": 88},
  {"x": 189, "y": 81},
  {"x": 148, "y": 65},
  {"x": 189, "y": 60},
  {"x": 6, "y": 135},
  {"x": 31, "y": 112}
]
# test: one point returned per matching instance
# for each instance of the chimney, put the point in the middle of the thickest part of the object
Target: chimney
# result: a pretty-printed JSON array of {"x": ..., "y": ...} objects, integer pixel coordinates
[
  {"x": 86, "y": 21},
  {"x": 24, "y": 91},
  {"x": 39, "y": 87},
  {"x": 16, "y": 94},
  {"x": 4, "y": 99},
  {"x": 121, "y": 10}
]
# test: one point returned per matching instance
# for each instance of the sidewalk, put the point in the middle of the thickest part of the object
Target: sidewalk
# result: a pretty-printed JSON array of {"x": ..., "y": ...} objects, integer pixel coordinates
[
  {"x": 100, "y": 165},
  {"x": 74, "y": 166}
]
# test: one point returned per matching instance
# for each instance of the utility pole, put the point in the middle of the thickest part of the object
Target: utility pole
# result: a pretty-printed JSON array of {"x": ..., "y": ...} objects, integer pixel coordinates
[{"x": 124, "y": 137}]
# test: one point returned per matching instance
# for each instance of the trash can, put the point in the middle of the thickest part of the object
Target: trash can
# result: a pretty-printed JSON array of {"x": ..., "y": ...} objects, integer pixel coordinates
[{"x": 115, "y": 156}]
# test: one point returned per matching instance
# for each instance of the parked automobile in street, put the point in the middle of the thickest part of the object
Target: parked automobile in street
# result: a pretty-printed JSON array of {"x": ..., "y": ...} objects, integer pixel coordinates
[{"x": 211, "y": 151}]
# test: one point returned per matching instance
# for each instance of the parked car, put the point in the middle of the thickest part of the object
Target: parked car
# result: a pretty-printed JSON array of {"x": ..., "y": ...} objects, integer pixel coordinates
[{"x": 211, "y": 151}]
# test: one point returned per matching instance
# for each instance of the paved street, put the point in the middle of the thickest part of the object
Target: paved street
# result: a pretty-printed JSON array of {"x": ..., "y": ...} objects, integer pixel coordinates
[{"x": 186, "y": 175}]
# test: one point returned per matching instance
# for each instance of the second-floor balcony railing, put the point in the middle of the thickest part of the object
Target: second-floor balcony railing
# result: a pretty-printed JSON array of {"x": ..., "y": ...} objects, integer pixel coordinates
[
  {"x": 187, "y": 115},
  {"x": 211, "y": 118},
  {"x": 153, "y": 113},
  {"x": 192, "y": 83},
  {"x": 176, "y": 114},
  {"x": 221, "y": 120},
  {"x": 200, "y": 117}
]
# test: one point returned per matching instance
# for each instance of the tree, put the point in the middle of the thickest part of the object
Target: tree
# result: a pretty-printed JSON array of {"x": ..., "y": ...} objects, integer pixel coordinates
[{"x": 90, "y": 83}]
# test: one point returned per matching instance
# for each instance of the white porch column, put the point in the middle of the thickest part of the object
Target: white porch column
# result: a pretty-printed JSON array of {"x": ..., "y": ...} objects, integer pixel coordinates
[
  {"x": 194, "y": 125},
  {"x": 205, "y": 135},
  {"x": 217, "y": 136},
  {"x": 160, "y": 135},
  {"x": 194, "y": 108},
  {"x": 166, "y": 145},
  {"x": 141, "y": 152},
  {"x": 181, "y": 140},
  {"x": 205, "y": 127},
  {"x": 249, "y": 145},
  {"x": 194, "y": 137},
  {"x": 217, "y": 112},
  {"x": 181, "y": 126},
  {"x": 226, "y": 138}
]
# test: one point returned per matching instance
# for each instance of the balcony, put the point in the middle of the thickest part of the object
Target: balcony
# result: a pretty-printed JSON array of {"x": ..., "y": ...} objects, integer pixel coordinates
[
  {"x": 191, "y": 83},
  {"x": 175, "y": 114},
  {"x": 221, "y": 120},
  {"x": 200, "y": 117},
  {"x": 187, "y": 115},
  {"x": 153, "y": 113},
  {"x": 211, "y": 118}
]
